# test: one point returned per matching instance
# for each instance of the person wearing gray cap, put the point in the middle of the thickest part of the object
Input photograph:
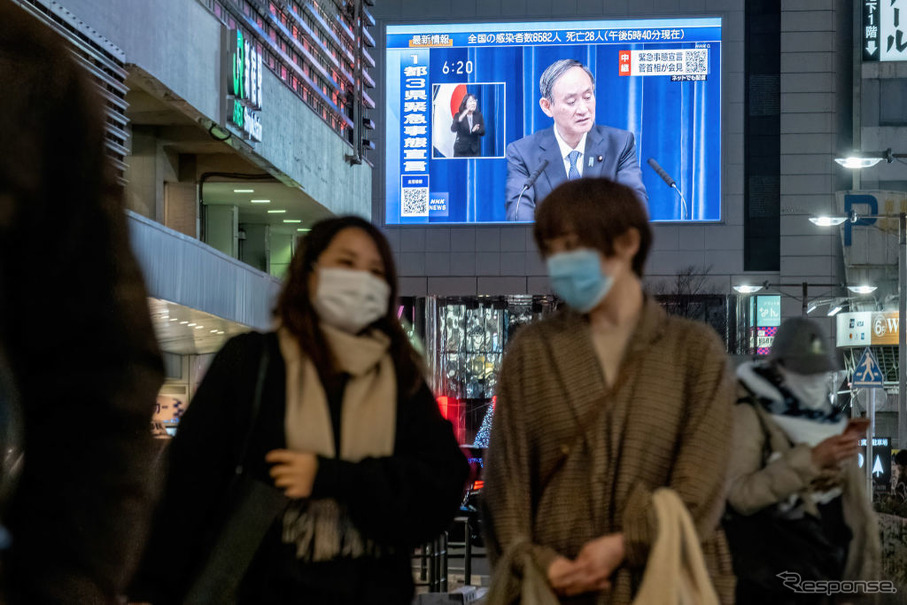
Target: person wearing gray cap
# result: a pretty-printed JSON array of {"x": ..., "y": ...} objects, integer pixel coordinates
[{"x": 797, "y": 507}]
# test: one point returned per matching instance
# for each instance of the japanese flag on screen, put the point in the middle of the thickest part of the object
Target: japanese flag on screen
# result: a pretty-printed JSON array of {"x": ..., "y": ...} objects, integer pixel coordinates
[{"x": 445, "y": 103}]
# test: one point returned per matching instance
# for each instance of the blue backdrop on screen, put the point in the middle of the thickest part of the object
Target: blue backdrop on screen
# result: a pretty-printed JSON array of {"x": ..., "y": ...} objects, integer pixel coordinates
[{"x": 659, "y": 79}]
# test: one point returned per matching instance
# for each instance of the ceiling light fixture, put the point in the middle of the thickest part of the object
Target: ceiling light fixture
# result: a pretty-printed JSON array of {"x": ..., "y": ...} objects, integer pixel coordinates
[
  {"x": 243, "y": 191},
  {"x": 747, "y": 289},
  {"x": 303, "y": 230},
  {"x": 292, "y": 220},
  {"x": 862, "y": 289},
  {"x": 260, "y": 201},
  {"x": 277, "y": 211},
  {"x": 834, "y": 308}
]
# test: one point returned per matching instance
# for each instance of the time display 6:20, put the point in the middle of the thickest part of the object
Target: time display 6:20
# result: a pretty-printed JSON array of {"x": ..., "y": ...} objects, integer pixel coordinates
[{"x": 457, "y": 67}]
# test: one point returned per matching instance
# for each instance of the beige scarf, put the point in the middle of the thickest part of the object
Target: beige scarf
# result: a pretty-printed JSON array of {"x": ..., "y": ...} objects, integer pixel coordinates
[{"x": 321, "y": 529}]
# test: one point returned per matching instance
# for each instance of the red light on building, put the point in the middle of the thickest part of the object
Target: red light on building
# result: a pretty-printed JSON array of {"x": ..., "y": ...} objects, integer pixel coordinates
[{"x": 443, "y": 403}]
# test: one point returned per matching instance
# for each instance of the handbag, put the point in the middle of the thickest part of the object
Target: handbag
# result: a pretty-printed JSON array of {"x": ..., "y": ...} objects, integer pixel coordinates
[
  {"x": 765, "y": 544},
  {"x": 252, "y": 506},
  {"x": 675, "y": 570}
]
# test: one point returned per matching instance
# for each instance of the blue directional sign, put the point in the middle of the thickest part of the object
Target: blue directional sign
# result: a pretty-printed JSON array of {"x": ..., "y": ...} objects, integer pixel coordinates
[{"x": 867, "y": 373}]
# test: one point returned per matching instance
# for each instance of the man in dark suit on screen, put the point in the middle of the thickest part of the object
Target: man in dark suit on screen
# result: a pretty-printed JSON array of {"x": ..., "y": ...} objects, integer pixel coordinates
[{"x": 574, "y": 147}]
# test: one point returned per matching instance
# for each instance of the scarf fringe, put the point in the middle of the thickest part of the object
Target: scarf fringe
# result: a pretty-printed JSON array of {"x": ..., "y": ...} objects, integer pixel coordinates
[{"x": 322, "y": 531}]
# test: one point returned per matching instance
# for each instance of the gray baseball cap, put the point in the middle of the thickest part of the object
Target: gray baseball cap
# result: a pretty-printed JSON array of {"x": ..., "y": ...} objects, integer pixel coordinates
[{"x": 801, "y": 347}]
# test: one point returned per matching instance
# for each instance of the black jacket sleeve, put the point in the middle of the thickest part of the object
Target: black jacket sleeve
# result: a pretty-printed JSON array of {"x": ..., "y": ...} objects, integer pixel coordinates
[
  {"x": 412, "y": 496},
  {"x": 479, "y": 121},
  {"x": 201, "y": 459}
]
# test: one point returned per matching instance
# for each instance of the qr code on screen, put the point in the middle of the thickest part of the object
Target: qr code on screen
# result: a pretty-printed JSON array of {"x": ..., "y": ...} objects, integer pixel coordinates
[
  {"x": 415, "y": 201},
  {"x": 696, "y": 61}
]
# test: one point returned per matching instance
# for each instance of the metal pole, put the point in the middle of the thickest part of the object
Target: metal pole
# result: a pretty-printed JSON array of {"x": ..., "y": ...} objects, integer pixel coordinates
[
  {"x": 467, "y": 555},
  {"x": 902, "y": 330},
  {"x": 868, "y": 461}
]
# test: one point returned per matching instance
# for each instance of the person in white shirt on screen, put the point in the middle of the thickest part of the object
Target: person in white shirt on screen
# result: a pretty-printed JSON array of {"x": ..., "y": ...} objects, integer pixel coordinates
[{"x": 573, "y": 147}]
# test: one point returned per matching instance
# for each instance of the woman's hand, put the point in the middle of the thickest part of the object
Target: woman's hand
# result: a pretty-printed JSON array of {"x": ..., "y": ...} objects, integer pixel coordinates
[
  {"x": 475, "y": 127},
  {"x": 294, "y": 472},
  {"x": 592, "y": 569},
  {"x": 835, "y": 450}
]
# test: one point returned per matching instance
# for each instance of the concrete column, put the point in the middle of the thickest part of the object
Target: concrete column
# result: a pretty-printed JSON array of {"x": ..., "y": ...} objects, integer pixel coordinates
[{"x": 180, "y": 207}]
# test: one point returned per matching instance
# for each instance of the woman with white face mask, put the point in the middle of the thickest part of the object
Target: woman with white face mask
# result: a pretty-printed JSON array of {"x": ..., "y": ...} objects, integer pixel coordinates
[
  {"x": 797, "y": 503},
  {"x": 347, "y": 430}
]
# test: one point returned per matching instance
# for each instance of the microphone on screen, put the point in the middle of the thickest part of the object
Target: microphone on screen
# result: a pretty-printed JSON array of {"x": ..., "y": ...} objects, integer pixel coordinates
[
  {"x": 660, "y": 172},
  {"x": 535, "y": 175},
  {"x": 529, "y": 183},
  {"x": 670, "y": 183}
]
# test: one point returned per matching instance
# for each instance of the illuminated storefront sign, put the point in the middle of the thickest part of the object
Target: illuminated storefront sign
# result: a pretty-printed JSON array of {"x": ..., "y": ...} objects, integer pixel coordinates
[
  {"x": 766, "y": 312},
  {"x": 244, "y": 86},
  {"x": 867, "y": 328}
]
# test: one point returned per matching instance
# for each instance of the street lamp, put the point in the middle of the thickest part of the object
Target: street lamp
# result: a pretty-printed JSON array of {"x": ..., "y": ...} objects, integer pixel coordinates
[
  {"x": 827, "y": 221},
  {"x": 748, "y": 289},
  {"x": 835, "y": 307},
  {"x": 867, "y": 159},
  {"x": 862, "y": 289},
  {"x": 902, "y": 301}
]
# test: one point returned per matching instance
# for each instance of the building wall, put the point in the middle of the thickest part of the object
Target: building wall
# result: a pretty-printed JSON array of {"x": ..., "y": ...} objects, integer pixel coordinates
[
  {"x": 815, "y": 125},
  {"x": 179, "y": 42}
]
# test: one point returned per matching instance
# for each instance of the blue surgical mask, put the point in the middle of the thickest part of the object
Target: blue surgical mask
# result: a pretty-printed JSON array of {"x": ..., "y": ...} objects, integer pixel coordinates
[{"x": 578, "y": 279}]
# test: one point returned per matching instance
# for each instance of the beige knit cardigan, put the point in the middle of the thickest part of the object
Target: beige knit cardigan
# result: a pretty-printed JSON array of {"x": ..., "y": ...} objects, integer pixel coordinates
[{"x": 571, "y": 459}]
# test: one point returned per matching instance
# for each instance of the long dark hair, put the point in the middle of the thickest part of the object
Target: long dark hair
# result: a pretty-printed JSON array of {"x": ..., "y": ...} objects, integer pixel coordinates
[{"x": 296, "y": 313}]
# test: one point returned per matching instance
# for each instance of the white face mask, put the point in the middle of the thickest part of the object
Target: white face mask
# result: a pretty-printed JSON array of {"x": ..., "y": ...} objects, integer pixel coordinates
[
  {"x": 350, "y": 300},
  {"x": 810, "y": 389}
]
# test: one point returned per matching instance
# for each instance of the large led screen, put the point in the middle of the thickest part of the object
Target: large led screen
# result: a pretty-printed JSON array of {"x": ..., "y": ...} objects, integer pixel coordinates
[{"x": 467, "y": 127}]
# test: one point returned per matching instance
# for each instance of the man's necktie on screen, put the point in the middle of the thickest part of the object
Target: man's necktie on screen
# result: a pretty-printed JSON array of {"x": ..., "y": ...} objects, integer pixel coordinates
[{"x": 573, "y": 173}]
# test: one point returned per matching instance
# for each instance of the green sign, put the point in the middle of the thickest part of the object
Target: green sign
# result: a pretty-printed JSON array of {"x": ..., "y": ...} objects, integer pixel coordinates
[
  {"x": 245, "y": 86},
  {"x": 768, "y": 311}
]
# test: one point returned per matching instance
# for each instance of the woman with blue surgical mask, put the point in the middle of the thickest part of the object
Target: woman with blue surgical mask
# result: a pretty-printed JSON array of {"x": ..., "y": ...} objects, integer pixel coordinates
[
  {"x": 598, "y": 407},
  {"x": 346, "y": 429}
]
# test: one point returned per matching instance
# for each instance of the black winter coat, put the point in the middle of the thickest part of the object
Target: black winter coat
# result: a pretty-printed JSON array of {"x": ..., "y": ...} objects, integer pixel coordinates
[{"x": 401, "y": 500}]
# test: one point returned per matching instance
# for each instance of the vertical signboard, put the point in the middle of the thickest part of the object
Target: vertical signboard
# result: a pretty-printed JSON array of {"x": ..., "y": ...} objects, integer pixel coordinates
[
  {"x": 414, "y": 180},
  {"x": 885, "y": 30},
  {"x": 768, "y": 318},
  {"x": 244, "y": 71}
]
